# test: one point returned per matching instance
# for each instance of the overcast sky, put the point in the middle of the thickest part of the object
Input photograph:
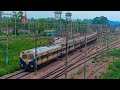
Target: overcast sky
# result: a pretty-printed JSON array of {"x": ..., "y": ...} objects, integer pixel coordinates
[{"x": 111, "y": 15}]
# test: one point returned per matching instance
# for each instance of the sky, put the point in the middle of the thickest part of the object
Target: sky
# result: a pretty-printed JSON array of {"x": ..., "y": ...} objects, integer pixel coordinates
[{"x": 111, "y": 15}]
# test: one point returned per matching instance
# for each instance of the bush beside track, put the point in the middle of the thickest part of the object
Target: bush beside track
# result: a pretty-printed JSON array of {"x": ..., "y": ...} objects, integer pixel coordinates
[
  {"x": 15, "y": 47},
  {"x": 114, "y": 67}
]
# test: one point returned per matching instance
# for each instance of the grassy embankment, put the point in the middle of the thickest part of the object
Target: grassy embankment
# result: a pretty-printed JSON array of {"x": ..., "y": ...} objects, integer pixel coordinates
[
  {"x": 114, "y": 67},
  {"x": 15, "y": 47}
]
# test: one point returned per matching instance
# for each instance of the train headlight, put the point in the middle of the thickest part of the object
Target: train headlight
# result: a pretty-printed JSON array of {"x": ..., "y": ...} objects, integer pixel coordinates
[
  {"x": 21, "y": 65},
  {"x": 31, "y": 66}
]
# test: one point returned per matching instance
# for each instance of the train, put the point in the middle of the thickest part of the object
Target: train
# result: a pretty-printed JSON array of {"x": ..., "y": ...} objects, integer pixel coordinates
[{"x": 45, "y": 54}]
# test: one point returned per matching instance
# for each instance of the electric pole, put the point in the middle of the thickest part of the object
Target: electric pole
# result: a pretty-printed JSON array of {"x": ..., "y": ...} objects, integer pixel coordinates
[
  {"x": 15, "y": 16},
  {"x": 77, "y": 28},
  {"x": 66, "y": 55},
  {"x": 7, "y": 46},
  {"x": 97, "y": 45},
  {"x": 36, "y": 45},
  {"x": 85, "y": 51},
  {"x": 15, "y": 26},
  {"x": 107, "y": 36},
  {"x": 7, "y": 61}
]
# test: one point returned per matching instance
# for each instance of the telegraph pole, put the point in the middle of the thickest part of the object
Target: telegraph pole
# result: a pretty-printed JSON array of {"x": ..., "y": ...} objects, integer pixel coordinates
[
  {"x": 7, "y": 61},
  {"x": 97, "y": 36},
  {"x": 66, "y": 55},
  {"x": 15, "y": 16},
  {"x": 7, "y": 46},
  {"x": 107, "y": 37},
  {"x": 68, "y": 18},
  {"x": 97, "y": 46},
  {"x": 29, "y": 27},
  {"x": 77, "y": 28},
  {"x": 85, "y": 52},
  {"x": 100, "y": 36},
  {"x": 15, "y": 26},
  {"x": 36, "y": 45}
]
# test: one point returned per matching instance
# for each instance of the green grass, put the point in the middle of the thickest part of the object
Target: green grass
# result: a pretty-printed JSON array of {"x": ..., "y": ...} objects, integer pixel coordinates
[
  {"x": 13, "y": 37},
  {"x": 114, "y": 71},
  {"x": 114, "y": 67},
  {"x": 76, "y": 74},
  {"x": 96, "y": 59},
  {"x": 113, "y": 52},
  {"x": 99, "y": 58},
  {"x": 15, "y": 47},
  {"x": 73, "y": 76}
]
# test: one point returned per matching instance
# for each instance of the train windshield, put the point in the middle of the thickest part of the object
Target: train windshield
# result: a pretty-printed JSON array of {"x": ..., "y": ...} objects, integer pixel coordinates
[
  {"x": 24, "y": 56},
  {"x": 31, "y": 56}
]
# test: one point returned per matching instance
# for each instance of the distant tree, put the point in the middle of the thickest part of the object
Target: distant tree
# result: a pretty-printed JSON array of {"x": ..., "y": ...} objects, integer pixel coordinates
[
  {"x": 100, "y": 20},
  {"x": 103, "y": 20},
  {"x": 89, "y": 21},
  {"x": 95, "y": 20}
]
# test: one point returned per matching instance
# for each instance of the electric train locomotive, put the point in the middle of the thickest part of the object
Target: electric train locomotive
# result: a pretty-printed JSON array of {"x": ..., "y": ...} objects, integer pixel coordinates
[{"x": 48, "y": 53}]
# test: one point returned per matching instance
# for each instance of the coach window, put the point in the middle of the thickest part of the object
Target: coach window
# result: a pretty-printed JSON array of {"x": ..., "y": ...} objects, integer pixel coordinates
[{"x": 44, "y": 56}]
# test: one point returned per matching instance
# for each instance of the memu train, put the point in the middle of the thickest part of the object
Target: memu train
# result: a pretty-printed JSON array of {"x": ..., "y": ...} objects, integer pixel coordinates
[{"x": 48, "y": 53}]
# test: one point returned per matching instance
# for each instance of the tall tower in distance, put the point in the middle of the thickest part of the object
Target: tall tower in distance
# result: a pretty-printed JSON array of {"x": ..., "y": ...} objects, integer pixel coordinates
[
  {"x": 1, "y": 15},
  {"x": 68, "y": 16},
  {"x": 69, "y": 22},
  {"x": 57, "y": 21}
]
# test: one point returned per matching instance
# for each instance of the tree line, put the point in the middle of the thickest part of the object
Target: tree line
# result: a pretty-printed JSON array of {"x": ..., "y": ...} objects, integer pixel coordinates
[{"x": 42, "y": 24}]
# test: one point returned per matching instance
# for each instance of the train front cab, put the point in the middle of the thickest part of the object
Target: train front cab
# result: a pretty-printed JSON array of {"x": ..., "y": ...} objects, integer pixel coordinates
[{"x": 27, "y": 61}]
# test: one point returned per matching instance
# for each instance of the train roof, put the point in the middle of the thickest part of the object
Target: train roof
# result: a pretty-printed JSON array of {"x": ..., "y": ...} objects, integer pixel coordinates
[
  {"x": 80, "y": 38},
  {"x": 54, "y": 46},
  {"x": 45, "y": 48}
]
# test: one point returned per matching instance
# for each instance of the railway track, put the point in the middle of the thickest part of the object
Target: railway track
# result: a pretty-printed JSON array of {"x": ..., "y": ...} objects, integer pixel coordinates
[
  {"x": 72, "y": 66},
  {"x": 12, "y": 74},
  {"x": 96, "y": 71},
  {"x": 91, "y": 73},
  {"x": 18, "y": 74},
  {"x": 58, "y": 73},
  {"x": 52, "y": 67},
  {"x": 21, "y": 73},
  {"x": 75, "y": 66},
  {"x": 62, "y": 66}
]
